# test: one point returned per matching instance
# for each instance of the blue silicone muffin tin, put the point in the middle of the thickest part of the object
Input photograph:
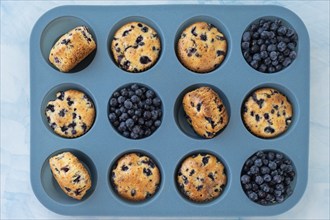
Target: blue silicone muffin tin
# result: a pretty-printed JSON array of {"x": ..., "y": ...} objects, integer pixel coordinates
[{"x": 99, "y": 77}]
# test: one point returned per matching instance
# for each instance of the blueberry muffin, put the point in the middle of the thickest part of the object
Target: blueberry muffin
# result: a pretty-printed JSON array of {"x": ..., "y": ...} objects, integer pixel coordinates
[
  {"x": 71, "y": 114},
  {"x": 201, "y": 177},
  {"x": 267, "y": 113},
  {"x": 135, "y": 177},
  {"x": 201, "y": 47},
  {"x": 72, "y": 48},
  {"x": 205, "y": 111},
  {"x": 70, "y": 174},
  {"x": 135, "y": 47}
]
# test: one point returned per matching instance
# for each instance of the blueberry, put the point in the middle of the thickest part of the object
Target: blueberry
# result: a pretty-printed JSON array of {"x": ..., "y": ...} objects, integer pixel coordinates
[
  {"x": 272, "y": 165},
  {"x": 274, "y": 63},
  {"x": 121, "y": 99},
  {"x": 291, "y": 46},
  {"x": 255, "y": 49},
  {"x": 293, "y": 55},
  {"x": 148, "y": 101},
  {"x": 123, "y": 117},
  {"x": 259, "y": 180},
  {"x": 246, "y": 36},
  {"x": 264, "y": 35},
  {"x": 113, "y": 102},
  {"x": 264, "y": 187},
  {"x": 129, "y": 123},
  {"x": 112, "y": 117},
  {"x": 254, "y": 64},
  {"x": 157, "y": 123},
  {"x": 256, "y": 57},
  {"x": 141, "y": 121},
  {"x": 263, "y": 47},
  {"x": 134, "y": 135},
  {"x": 271, "y": 47},
  {"x": 128, "y": 104},
  {"x": 154, "y": 114},
  {"x": 263, "y": 54},
  {"x": 262, "y": 68},
  {"x": 254, "y": 169},
  {"x": 264, "y": 170},
  {"x": 281, "y": 46},
  {"x": 156, "y": 101},
  {"x": 136, "y": 129},
  {"x": 122, "y": 127},
  {"x": 116, "y": 94},
  {"x": 122, "y": 109},
  {"x": 147, "y": 115},
  {"x": 271, "y": 69},
  {"x": 148, "y": 123},
  {"x": 278, "y": 67},
  {"x": 273, "y": 26},
  {"x": 245, "y": 179},
  {"x": 138, "y": 112},
  {"x": 277, "y": 178},
  {"x": 258, "y": 162},
  {"x": 150, "y": 94},
  {"x": 271, "y": 155},
  {"x": 286, "y": 62},
  {"x": 138, "y": 92},
  {"x": 273, "y": 55},
  {"x": 145, "y": 60},
  {"x": 253, "y": 196},
  {"x": 245, "y": 45},
  {"x": 135, "y": 99},
  {"x": 282, "y": 30},
  {"x": 267, "y": 61},
  {"x": 124, "y": 92},
  {"x": 134, "y": 86},
  {"x": 267, "y": 178}
]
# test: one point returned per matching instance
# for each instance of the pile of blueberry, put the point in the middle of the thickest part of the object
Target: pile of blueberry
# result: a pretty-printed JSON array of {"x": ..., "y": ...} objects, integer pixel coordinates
[
  {"x": 269, "y": 46},
  {"x": 135, "y": 111},
  {"x": 266, "y": 177}
]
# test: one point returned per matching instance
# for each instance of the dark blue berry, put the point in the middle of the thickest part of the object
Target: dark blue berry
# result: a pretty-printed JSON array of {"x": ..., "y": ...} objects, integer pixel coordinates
[
  {"x": 245, "y": 179},
  {"x": 129, "y": 123},
  {"x": 246, "y": 36},
  {"x": 282, "y": 30},
  {"x": 128, "y": 104},
  {"x": 281, "y": 46},
  {"x": 259, "y": 180},
  {"x": 112, "y": 117},
  {"x": 286, "y": 62}
]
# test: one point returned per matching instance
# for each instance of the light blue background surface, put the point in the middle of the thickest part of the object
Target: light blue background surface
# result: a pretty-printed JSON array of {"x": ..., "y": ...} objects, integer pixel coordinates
[{"x": 17, "y": 20}]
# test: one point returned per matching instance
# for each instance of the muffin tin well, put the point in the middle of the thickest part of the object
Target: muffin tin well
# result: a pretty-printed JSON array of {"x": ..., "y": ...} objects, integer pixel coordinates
[{"x": 98, "y": 76}]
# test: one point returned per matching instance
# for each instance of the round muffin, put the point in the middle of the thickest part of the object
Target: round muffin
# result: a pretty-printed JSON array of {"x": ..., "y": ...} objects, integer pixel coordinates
[
  {"x": 267, "y": 113},
  {"x": 72, "y": 114},
  {"x": 135, "y": 47},
  {"x": 205, "y": 112},
  {"x": 201, "y": 177},
  {"x": 201, "y": 47},
  {"x": 135, "y": 177}
]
